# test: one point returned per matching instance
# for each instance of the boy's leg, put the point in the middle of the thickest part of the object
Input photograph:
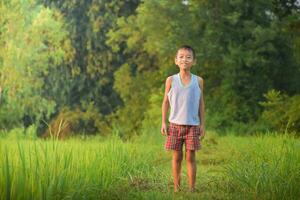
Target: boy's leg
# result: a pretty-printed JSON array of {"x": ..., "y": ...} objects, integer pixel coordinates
[
  {"x": 176, "y": 169},
  {"x": 191, "y": 168}
]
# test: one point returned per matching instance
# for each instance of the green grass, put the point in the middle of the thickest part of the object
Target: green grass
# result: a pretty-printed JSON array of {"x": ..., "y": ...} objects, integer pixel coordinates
[
  {"x": 268, "y": 168},
  {"x": 229, "y": 167}
]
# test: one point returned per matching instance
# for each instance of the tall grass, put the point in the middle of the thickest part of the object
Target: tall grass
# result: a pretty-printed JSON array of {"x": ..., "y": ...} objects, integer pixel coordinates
[
  {"x": 71, "y": 169},
  {"x": 230, "y": 167},
  {"x": 265, "y": 167}
]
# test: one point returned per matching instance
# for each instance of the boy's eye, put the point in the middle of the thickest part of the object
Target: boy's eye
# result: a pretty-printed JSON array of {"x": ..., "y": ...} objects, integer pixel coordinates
[{"x": 189, "y": 57}]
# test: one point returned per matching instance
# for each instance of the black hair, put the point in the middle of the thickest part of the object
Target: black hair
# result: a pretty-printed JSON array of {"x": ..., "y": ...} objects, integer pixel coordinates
[{"x": 189, "y": 48}]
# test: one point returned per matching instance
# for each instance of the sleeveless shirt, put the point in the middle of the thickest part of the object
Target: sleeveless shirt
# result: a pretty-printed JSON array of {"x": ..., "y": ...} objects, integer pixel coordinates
[{"x": 184, "y": 101}]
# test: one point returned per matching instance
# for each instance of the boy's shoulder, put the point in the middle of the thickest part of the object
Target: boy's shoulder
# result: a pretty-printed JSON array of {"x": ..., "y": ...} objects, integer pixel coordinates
[
  {"x": 169, "y": 78},
  {"x": 199, "y": 78}
]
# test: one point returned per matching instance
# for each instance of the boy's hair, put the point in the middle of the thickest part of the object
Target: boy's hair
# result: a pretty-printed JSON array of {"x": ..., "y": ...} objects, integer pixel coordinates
[{"x": 189, "y": 48}]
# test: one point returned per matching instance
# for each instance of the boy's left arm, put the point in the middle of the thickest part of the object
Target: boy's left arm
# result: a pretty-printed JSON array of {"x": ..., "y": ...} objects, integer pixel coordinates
[{"x": 202, "y": 109}]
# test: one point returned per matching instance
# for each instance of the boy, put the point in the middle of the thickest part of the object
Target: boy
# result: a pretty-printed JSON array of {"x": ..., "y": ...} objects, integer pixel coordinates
[{"x": 184, "y": 94}]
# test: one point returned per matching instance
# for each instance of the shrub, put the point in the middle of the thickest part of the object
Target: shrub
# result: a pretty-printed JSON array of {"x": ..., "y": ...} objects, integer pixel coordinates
[
  {"x": 69, "y": 122},
  {"x": 282, "y": 112}
]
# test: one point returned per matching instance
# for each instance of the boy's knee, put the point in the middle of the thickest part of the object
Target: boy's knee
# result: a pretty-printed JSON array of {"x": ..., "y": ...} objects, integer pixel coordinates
[
  {"x": 177, "y": 157},
  {"x": 190, "y": 157}
]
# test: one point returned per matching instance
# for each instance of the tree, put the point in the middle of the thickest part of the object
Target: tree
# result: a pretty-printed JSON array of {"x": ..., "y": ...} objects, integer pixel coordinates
[
  {"x": 34, "y": 41},
  {"x": 90, "y": 74},
  {"x": 242, "y": 48}
]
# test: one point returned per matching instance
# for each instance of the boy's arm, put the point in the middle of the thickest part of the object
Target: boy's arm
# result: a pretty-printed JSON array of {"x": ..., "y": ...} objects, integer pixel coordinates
[
  {"x": 202, "y": 108},
  {"x": 165, "y": 106}
]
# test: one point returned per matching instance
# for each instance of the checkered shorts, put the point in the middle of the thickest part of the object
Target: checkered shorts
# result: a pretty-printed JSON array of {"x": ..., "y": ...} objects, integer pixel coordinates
[{"x": 179, "y": 134}]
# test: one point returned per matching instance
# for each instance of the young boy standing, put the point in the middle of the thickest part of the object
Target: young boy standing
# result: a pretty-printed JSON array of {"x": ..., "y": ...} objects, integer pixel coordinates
[{"x": 184, "y": 94}]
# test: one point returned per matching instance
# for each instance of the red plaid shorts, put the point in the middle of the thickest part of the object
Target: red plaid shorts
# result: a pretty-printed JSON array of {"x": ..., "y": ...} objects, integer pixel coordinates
[{"x": 179, "y": 134}]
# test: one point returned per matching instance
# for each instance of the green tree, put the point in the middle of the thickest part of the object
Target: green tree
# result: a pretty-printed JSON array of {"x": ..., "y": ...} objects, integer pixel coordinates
[
  {"x": 89, "y": 79},
  {"x": 242, "y": 48},
  {"x": 281, "y": 112},
  {"x": 94, "y": 63},
  {"x": 34, "y": 41}
]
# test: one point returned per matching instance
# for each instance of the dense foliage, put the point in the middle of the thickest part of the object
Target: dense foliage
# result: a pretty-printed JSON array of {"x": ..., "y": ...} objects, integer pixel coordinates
[{"x": 105, "y": 62}]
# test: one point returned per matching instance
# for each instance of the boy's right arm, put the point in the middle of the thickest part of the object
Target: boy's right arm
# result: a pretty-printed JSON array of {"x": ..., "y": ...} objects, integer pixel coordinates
[{"x": 165, "y": 106}]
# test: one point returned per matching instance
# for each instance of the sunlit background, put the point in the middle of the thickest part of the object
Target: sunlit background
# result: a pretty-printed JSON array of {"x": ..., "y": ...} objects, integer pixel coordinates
[{"x": 81, "y": 88}]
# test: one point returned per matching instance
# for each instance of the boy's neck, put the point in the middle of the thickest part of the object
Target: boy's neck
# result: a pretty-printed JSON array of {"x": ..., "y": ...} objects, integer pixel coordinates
[{"x": 185, "y": 73}]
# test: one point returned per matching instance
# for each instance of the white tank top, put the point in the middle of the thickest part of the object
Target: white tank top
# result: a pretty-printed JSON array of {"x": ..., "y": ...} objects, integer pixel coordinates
[{"x": 184, "y": 101}]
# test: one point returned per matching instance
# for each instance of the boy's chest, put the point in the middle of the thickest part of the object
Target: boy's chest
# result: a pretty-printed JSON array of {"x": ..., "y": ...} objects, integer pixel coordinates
[{"x": 186, "y": 81}]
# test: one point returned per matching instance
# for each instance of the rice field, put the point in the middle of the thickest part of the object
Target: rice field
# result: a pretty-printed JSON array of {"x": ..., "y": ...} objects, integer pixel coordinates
[{"x": 229, "y": 167}]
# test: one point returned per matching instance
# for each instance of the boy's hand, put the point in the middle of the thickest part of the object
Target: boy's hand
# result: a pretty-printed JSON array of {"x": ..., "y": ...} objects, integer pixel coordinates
[
  {"x": 202, "y": 132},
  {"x": 163, "y": 129}
]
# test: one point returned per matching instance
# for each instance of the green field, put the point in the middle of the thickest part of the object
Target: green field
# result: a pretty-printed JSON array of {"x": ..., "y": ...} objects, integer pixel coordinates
[{"x": 229, "y": 167}]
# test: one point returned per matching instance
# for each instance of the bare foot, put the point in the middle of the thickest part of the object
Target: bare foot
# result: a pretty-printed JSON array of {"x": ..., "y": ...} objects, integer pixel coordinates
[
  {"x": 192, "y": 190},
  {"x": 177, "y": 189}
]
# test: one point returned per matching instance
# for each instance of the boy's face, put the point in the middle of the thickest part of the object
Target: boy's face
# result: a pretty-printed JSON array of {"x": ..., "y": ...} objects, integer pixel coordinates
[{"x": 184, "y": 59}]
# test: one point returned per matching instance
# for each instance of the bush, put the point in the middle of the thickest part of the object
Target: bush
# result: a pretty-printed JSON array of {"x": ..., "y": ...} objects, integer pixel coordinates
[
  {"x": 69, "y": 122},
  {"x": 281, "y": 111}
]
